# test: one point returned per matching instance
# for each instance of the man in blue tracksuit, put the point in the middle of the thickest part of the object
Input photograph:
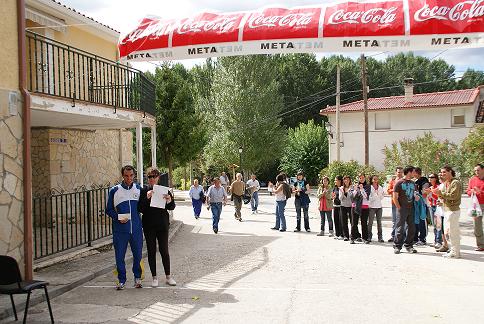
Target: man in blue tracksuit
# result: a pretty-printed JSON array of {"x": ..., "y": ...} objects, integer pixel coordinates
[{"x": 122, "y": 207}]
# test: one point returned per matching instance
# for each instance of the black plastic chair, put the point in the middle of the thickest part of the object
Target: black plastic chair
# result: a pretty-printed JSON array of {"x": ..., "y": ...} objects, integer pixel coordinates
[{"x": 11, "y": 283}]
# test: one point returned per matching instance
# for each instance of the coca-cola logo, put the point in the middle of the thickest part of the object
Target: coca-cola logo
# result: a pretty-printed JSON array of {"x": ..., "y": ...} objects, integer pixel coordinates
[
  {"x": 381, "y": 16},
  {"x": 290, "y": 20},
  {"x": 154, "y": 29},
  {"x": 461, "y": 11},
  {"x": 221, "y": 25}
]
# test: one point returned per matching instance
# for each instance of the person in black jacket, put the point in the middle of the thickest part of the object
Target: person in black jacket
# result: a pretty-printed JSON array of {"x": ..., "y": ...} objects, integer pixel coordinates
[{"x": 156, "y": 223}]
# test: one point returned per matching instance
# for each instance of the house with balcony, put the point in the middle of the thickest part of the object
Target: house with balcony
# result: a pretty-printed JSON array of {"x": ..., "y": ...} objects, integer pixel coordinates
[
  {"x": 72, "y": 116},
  {"x": 447, "y": 115}
]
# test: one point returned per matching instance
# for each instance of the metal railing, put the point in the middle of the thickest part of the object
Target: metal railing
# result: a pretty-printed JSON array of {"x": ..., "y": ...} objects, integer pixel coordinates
[
  {"x": 62, "y": 221},
  {"x": 61, "y": 70}
]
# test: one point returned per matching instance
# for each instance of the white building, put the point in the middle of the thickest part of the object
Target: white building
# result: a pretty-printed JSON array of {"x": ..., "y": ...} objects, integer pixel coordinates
[{"x": 447, "y": 115}]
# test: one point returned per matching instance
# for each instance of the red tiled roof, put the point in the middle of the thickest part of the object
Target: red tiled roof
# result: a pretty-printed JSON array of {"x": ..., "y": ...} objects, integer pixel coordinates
[
  {"x": 79, "y": 13},
  {"x": 422, "y": 100}
]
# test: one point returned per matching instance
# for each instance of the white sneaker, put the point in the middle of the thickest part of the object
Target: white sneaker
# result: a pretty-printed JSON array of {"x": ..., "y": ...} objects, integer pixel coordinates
[
  {"x": 451, "y": 255},
  {"x": 137, "y": 283},
  {"x": 154, "y": 283},
  {"x": 170, "y": 281}
]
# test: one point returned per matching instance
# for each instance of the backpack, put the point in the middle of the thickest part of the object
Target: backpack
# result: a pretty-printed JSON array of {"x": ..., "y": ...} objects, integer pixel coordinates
[{"x": 287, "y": 190}]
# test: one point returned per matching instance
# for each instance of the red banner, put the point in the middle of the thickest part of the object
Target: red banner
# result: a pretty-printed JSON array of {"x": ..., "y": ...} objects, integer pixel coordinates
[
  {"x": 364, "y": 19},
  {"x": 356, "y": 26},
  {"x": 280, "y": 23},
  {"x": 446, "y": 17}
]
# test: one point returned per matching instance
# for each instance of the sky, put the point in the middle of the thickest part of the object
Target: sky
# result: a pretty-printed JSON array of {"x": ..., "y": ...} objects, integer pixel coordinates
[{"x": 123, "y": 15}]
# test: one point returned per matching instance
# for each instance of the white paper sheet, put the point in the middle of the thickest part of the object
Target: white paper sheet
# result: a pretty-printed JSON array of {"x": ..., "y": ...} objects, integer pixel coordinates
[
  {"x": 157, "y": 199},
  {"x": 126, "y": 216}
]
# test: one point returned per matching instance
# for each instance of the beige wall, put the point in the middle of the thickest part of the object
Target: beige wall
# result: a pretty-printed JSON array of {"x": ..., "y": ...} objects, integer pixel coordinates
[
  {"x": 86, "y": 158},
  {"x": 11, "y": 139}
]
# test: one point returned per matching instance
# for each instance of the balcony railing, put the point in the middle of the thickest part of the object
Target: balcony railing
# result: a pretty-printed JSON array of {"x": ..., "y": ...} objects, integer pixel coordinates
[{"x": 61, "y": 70}]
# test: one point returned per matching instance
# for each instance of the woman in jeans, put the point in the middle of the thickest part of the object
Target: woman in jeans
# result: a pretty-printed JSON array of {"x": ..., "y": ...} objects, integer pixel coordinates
[
  {"x": 359, "y": 195},
  {"x": 281, "y": 201},
  {"x": 156, "y": 224},
  {"x": 376, "y": 196},
  {"x": 345, "y": 198},
  {"x": 433, "y": 203},
  {"x": 338, "y": 182},
  {"x": 324, "y": 195}
]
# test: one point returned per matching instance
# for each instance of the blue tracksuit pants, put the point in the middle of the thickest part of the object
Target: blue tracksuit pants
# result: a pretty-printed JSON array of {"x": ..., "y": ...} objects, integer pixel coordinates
[{"x": 120, "y": 242}]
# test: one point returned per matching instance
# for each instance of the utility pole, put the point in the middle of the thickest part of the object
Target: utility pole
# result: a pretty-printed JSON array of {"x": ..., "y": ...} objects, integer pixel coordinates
[
  {"x": 365, "y": 107},
  {"x": 338, "y": 90}
]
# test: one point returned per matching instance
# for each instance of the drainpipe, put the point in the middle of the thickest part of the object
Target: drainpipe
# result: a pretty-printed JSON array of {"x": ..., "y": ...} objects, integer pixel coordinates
[{"x": 27, "y": 163}]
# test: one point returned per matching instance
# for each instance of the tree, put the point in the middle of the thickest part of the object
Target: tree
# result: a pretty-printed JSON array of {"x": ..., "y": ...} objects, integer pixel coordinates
[
  {"x": 471, "y": 79},
  {"x": 351, "y": 169},
  {"x": 472, "y": 149},
  {"x": 179, "y": 139},
  {"x": 244, "y": 112},
  {"x": 306, "y": 149},
  {"x": 424, "y": 151}
]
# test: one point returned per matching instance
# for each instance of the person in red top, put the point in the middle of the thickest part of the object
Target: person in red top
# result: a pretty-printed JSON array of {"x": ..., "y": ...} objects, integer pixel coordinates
[
  {"x": 476, "y": 186},
  {"x": 391, "y": 185}
]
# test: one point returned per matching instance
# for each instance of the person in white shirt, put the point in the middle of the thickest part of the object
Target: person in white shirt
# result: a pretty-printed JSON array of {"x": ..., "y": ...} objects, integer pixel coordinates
[
  {"x": 196, "y": 194},
  {"x": 224, "y": 181},
  {"x": 254, "y": 186},
  {"x": 375, "y": 199}
]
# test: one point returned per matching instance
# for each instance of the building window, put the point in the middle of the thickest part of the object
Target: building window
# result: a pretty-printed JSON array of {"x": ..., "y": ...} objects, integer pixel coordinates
[
  {"x": 458, "y": 117},
  {"x": 382, "y": 120}
]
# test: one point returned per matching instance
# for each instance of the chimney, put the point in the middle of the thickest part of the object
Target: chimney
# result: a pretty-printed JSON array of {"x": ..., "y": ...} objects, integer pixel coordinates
[{"x": 408, "y": 86}]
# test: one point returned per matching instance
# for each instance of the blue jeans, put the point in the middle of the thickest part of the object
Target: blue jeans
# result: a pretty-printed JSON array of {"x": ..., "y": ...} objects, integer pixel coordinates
[
  {"x": 326, "y": 214},
  {"x": 197, "y": 207},
  {"x": 305, "y": 208},
  {"x": 394, "y": 219},
  {"x": 254, "y": 202},
  {"x": 437, "y": 229},
  {"x": 280, "y": 218},
  {"x": 216, "y": 211}
]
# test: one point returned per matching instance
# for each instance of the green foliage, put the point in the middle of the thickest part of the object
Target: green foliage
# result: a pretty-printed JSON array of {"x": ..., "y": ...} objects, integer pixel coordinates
[
  {"x": 472, "y": 149},
  {"x": 424, "y": 151},
  {"x": 244, "y": 112},
  {"x": 306, "y": 149},
  {"x": 352, "y": 169},
  {"x": 471, "y": 79}
]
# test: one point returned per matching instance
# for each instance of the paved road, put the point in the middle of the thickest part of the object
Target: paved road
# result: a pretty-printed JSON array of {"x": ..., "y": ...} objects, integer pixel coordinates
[{"x": 251, "y": 274}]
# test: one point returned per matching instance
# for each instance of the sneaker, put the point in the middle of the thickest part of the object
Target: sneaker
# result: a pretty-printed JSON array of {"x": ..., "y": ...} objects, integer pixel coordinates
[
  {"x": 297, "y": 230},
  {"x": 451, "y": 255},
  {"x": 396, "y": 250},
  {"x": 196, "y": 217},
  {"x": 170, "y": 281},
  {"x": 381, "y": 240},
  {"x": 340, "y": 238},
  {"x": 154, "y": 283},
  {"x": 346, "y": 239},
  {"x": 308, "y": 230},
  {"x": 274, "y": 228},
  {"x": 282, "y": 230},
  {"x": 367, "y": 242},
  {"x": 443, "y": 248},
  {"x": 120, "y": 286},
  {"x": 320, "y": 234},
  {"x": 390, "y": 240},
  {"x": 437, "y": 246},
  {"x": 137, "y": 283},
  {"x": 420, "y": 243},
  {"x": 411, "y": 250},
  {"x": 331, "y": 234},
  {"x": 479, "y": 249},
  {"x": 352, "y": 241},
  {"x": 359, "y": 239},
  {"x": 215, "y": 230}
]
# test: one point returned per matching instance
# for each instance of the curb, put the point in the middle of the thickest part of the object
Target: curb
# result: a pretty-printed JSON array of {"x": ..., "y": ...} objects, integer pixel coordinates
[{"x": 175, "y": 226}]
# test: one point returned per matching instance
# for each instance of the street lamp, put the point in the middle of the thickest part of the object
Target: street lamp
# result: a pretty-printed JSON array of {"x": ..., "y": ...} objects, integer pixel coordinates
[{"x": 240, "y": 161}]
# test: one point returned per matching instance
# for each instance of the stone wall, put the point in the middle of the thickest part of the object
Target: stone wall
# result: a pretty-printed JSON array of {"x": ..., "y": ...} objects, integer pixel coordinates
[
  {"x": 11, "y": 177},
  {"x": 66, "y": 159}
]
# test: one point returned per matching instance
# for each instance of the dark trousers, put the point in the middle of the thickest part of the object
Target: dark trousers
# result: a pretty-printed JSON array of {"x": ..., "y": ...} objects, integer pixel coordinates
[
  {"x": 404, "y": 217},
  {"x": 345, "y": 216},
  {"x": 305, "y": 209},
  {"x": 421, "y": 231},
  {"x": 355, "y": 234},
  {"x": 337, "y": 221},
  {"x": 151, "y": 236}
]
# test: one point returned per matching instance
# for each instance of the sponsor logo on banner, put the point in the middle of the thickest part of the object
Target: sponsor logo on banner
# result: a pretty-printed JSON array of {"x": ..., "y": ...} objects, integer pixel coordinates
[
  {"x": 452, "y": 17},
  {"x": 364, "y": 19},
  {"x": 282, "y": 23},
  {"x": 207, "y": 28},
  {"x": 151, "y": 33}
]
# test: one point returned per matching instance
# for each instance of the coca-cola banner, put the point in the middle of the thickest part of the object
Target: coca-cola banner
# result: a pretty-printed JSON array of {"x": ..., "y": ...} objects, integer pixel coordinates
[{"x": 346, "y": 26}]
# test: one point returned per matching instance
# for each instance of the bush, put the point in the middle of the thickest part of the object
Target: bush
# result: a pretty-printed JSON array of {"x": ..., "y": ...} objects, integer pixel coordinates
[
  {"x": 352, "y": 169},
  {"x": 472, "y": 150}
]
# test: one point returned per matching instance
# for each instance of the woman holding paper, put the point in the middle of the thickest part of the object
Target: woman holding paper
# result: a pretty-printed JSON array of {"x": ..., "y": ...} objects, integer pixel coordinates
[{"x": 156, "y": 223}]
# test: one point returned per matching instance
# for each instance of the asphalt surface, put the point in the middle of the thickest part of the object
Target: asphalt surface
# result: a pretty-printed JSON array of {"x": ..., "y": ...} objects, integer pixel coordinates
[{"x": 248, "y": 273}]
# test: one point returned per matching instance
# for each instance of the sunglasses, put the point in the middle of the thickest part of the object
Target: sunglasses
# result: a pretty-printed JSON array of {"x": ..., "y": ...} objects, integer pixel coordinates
[{"x": 152, "y": 176}]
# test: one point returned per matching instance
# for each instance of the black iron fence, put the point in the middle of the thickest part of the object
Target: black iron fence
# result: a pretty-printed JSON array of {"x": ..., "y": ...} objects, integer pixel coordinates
[
  {"x": 61, "y": 70},
  {"x": 62, "y": 221}
]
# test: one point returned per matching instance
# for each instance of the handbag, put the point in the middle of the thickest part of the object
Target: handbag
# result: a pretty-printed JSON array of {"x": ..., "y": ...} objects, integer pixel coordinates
[
  {"x": 475, "y": 208},
  {"x": 202, "y": 197},
  {"x": 246, "y": 197}
]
